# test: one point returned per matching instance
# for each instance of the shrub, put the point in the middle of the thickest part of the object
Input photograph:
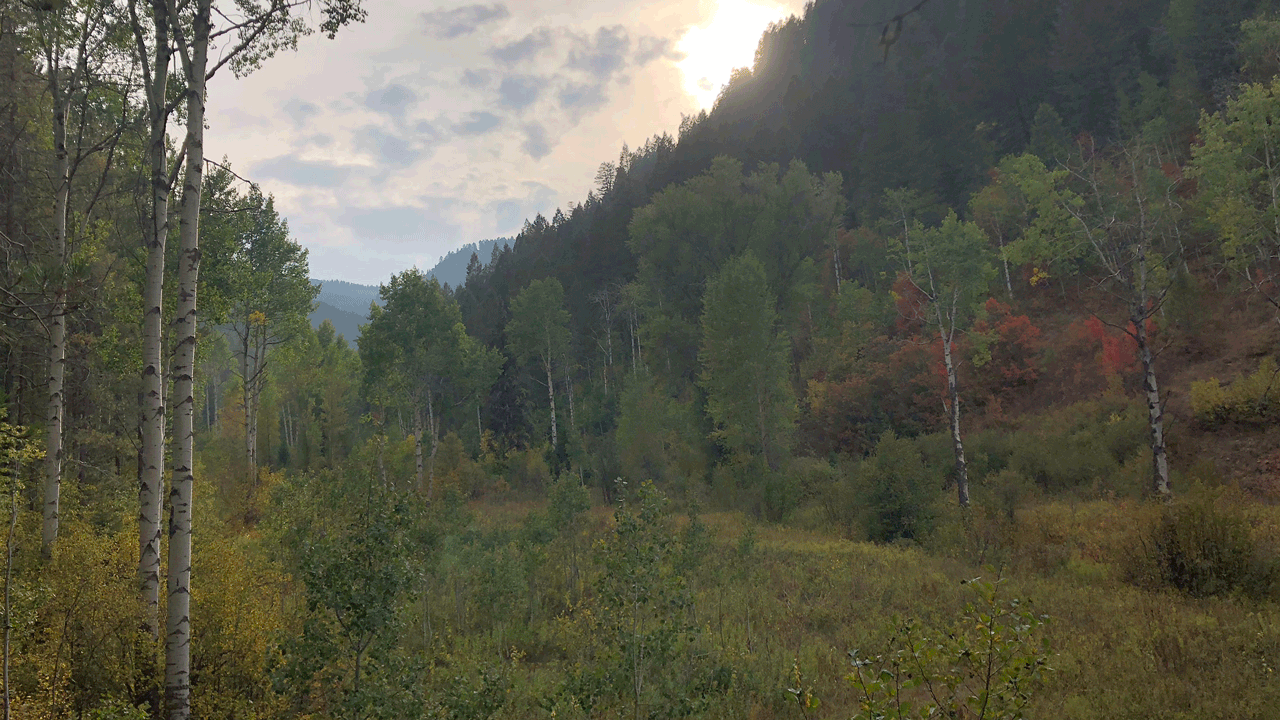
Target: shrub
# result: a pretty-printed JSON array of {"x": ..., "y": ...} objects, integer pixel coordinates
[
  {"x": 896, "y": 490},
  {"x": 1253, "y": 399},
  {"x": 1204, "y": 547}
]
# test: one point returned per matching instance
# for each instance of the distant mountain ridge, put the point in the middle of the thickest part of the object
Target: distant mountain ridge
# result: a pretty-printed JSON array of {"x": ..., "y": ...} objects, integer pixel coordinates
[{"x": 346, "y": 304}]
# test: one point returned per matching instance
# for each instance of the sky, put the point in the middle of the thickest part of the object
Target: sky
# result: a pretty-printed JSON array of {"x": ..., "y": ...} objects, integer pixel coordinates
[{"x": 436, "y": 124}]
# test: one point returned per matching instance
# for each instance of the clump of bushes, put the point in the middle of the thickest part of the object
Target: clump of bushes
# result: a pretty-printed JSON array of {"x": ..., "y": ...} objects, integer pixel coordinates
[
  {"x": 888, "y": 495},
  {"x": 1204, "y": 547},
  {"x": 1253, "y": 399}
]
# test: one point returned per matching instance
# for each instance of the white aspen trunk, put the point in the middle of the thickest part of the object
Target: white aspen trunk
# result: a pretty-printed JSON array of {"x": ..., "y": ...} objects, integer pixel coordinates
[
  {"x": 417, "y": 444},
  {"x": 152, "y": 410},
  {"x": 250, "y": 441},
  {"x": 835, "y": 254},
  {"x": 953, "y": 413},
  {"x": 435, "y": 443},
  {"x": 568, "y": 384},
  {"x": 1155, "y": 412},
  {"x": 57, "y": 334},
  {"x": 1008, "y": 282},
  {"x": 177, "y": 681},
  {"x": 551, "y": 395}
]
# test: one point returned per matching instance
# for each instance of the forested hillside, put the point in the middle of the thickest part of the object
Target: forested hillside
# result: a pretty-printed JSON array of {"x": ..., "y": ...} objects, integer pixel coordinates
[{"x": 930, "y": 374}]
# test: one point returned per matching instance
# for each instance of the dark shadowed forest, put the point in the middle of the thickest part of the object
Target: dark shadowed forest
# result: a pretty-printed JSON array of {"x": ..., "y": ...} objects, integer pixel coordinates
[{"x": 932, "y": 373}]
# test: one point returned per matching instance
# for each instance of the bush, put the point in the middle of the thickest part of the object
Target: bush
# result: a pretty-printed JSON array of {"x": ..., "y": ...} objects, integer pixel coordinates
[
  {"x": 896, "y": 489},
  {"x": 1204, "y": 547},
  {"x": 1252, "y": 399}
]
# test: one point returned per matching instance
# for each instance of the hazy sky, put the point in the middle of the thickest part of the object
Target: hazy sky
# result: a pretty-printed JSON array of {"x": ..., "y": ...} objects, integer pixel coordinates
[{"x": 435, "y": 124}]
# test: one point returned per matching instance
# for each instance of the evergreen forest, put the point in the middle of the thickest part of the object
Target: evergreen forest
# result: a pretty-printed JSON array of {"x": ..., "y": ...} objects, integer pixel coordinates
[{"x": 934, "y": 372}]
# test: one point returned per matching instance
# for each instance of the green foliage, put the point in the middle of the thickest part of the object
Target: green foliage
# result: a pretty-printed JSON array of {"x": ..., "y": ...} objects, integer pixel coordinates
[
  {"x": 538, "y": 329},
  {"x": 895, "y": 490},
  {"x": 658, "y": 437},
  {"x": 354, "y": 567},
  {"x": 645, "y": 600},
  {"x": 1204, "y": 546},
  {"x": 1238, "y": 173},
  {"x": 1252, "y": 400},
  {"x": 1259, "y": 48},
  {"x": 689, "y": 232},
  {"x": 744, "y": 362},
  {"x": 987, "y": 666}
]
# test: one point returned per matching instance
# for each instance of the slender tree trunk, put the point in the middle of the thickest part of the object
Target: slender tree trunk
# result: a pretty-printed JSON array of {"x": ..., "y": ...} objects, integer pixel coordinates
[
  {"x": 250, "y": 436},
  {"x": 953, "y": 413},
  {"x": 57, "y": 332},
  {"x": 417, "y": 445},
  {"x": 1155, "y": 411},
  {"x": 152, "y": 411},
  {"x": 435, "y": 443},
  {"x": 568, "y": 384},
  {"x": 835, "y": 254},
  {"x": 551, "y": 395},
  {"x": 178, "y": 646},
  {"x": 382, "y": 459},
  {"x": 8, "y": 579}
]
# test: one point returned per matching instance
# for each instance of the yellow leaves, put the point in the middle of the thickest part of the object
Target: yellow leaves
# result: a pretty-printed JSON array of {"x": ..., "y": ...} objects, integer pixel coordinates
[
  {"x": 257, "y": 318},
  {"x": 1038, "y": 276}
]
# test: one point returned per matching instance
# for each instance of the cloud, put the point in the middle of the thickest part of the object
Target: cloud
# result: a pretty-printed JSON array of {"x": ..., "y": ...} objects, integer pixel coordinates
[
  {"x": 392, "y": 100},
  {"x": 477, "y": 123},
  {"x": 526, "y": 48},
  {"x": 449, "y": 24},
  {"x": 302, "y": 172},
  {"x": 300, "y": 111},
  {"x": 603, "y": 56},
  {"x": 581, "y": 97},
  {"x": 393, "y": 223},
  {"x": 476, "y": 78},
  {"x": 651, "y": 48},
  {"x": 509, "y": 214},
  {"x": 394, "y": 150},
  {"x": 535, "y": 142},
  {"x": 519, "y": 91}
]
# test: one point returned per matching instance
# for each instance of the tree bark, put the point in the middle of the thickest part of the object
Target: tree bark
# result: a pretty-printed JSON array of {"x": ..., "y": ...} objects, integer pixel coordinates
[
  {"x": 152, "y": 410},
  {"x": 250, "y": 424},
  {"x": 417, "y": 446},
  {"x": 551, "y": 395},
  {"x": 178, "y": 646},
  {"x": 57, "y": 331},
  {"x": 8, "y": 579},
  {"x": 953, "y": 413},
  {"x": 435, "y": 443},
  {"x": 1155, "y": 411}
]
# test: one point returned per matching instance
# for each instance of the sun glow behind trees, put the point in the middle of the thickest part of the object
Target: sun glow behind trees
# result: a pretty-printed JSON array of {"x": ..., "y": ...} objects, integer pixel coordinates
[{"x": 728, "y": 41}]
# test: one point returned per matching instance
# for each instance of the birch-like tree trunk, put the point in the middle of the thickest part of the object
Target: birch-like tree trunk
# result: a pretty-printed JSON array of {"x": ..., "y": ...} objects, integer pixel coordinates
[
  {"x": 248, "y": 377},
  {"x": 152, "y": 410},
  {"x": 952, "y": 405},
  {"x": 551, "y": 396},
  {"x": 178, "y": 646},
  {"x": 568, "y": 384},
  {"x": 57, "y": 328},
  {"x": 435, "y": 444},
  {"x": 1139, "y": 313},
  {"x": 417, "y": 446}
]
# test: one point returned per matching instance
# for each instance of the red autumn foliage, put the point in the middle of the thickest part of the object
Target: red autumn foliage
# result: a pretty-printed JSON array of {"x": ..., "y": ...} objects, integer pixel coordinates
[
  {"x": 1015, "y": 345},
  {"x": 1117, "y": 351}
]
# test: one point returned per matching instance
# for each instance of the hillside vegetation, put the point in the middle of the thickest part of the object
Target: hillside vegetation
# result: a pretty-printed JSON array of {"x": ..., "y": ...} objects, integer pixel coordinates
[{"x": 933, "y": 378}]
